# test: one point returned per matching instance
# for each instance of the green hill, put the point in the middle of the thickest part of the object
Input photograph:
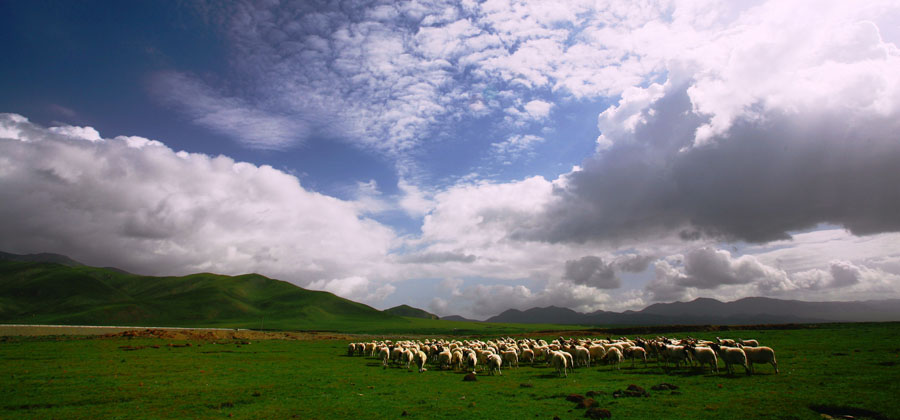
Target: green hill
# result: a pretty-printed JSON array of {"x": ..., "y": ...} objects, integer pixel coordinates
[
  {"x": 53, "y": 293},
  {"x": 406, "y": 310}
]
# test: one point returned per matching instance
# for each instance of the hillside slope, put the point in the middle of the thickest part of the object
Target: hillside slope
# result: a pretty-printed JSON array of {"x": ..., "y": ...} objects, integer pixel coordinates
[
  {"x": 406, "y": 310},
  {"x": 50, "y": 293}
]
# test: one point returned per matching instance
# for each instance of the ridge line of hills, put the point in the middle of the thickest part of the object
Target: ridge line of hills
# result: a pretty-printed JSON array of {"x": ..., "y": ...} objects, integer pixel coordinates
[{"x": 55, "y": 289}]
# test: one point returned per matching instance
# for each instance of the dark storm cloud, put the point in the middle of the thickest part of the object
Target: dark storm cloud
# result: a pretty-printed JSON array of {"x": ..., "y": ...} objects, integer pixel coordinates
[
  {"x": 763, "y": 178},
  {"x": 592, "y": 271}
]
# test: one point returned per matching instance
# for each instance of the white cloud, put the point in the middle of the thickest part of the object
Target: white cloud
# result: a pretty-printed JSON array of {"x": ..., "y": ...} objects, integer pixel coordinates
[
  {"x": 515, "y": 146},
  {"x": 538, "y": 109},
  {"x": 716, "y": 273},
  {"x": 134, "y": 203},
  {"x": 414, "y": 201},
  {"x": 84, "y": 133},
  {"x": 231, "y": 116}
]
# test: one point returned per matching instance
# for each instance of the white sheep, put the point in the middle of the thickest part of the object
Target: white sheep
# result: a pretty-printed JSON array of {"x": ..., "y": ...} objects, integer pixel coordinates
[
  {"x": 445, "y": 359},
  {"x": 636, "y": 352},
  {"x": 385, "y": 356},
  {"x": 408, "y": 357},
  {"x": 456, "y": 360},
  {"x": 760, "y": 355},
  {"x": 676, "y": 353},
  {"x": 471, "y": 361},
  {"x": 420, "y": 358},
  {"x": 748, "y": 343},
  {"x": 704, "y": 356},
  {"x": 494, "y": 361},
  {"x": 727, "y": 342},
  {"x": 731, "y": 356},
  {"x": 370, "y": 349},
  {"x": 396, "y": 354},
  {"x": 528, "y": 356},
  {"x": 583, "y": 356},
  {"x": 511, "y": 358},
  {"x": 614, "y": 357},
  {"x": 560, "y": 362},
  {"x": 597, "y": 351},
  {"x": 570, "y": 361}
]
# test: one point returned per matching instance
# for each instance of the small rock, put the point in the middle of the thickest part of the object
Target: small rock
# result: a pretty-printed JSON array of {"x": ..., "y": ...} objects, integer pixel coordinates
[
  {"x": 526, "y": 385},
  {"x": 664, "y": 387},
  {"x": 634, "y": 389},
  {"x": 587, "y": 403},
  {"x": 597, "y": 413},
  {"x": 469, "y": 377},
  {"x": 575, "y": 398},
  {"x": 404, "y": 414}
]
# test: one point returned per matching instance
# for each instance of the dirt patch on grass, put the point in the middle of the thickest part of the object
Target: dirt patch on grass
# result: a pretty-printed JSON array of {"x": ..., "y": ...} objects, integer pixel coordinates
[
  {"x": 597, "y": 413},
  {"x": 63, "y": 332},
  {"x": 244, "y": 337}
]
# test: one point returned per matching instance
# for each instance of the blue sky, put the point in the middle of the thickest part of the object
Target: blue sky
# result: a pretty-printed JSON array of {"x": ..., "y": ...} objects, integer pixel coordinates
[{"x": 463, "y": 157}]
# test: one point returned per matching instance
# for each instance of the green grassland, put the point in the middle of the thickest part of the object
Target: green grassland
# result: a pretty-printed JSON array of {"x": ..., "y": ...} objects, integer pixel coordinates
[{"x": 836, "y": 368}]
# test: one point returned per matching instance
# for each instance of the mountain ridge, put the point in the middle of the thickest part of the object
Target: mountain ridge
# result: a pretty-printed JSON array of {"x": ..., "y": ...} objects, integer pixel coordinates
[
  {"x": 747, "y": 310},
  {"x": 406, "y": 310}
]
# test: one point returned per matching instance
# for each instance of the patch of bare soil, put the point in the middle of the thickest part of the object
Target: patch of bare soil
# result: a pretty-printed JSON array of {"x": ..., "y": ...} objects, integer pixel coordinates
[{"x": 245, "y": 337}]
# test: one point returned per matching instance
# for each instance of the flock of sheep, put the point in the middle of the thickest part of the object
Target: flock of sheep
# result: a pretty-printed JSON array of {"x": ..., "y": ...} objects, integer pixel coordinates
[{"x": 565, "y": 354}]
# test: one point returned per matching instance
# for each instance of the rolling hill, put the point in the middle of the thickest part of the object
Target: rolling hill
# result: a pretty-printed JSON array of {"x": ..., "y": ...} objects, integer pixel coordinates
[
  {"x": 406, "y": 310},
  {"x": 53, "y": 293}
]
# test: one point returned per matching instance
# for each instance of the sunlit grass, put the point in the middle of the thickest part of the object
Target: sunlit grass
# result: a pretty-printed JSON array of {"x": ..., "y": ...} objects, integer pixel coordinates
[{"x": 853, "y": 366}]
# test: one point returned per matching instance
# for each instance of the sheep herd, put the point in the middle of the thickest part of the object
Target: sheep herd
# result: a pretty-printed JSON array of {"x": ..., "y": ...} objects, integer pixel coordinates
[{"x": 564, "y": 355}]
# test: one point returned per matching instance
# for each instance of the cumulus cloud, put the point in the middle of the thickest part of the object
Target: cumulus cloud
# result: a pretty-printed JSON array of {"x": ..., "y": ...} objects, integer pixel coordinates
[
  {"x": 487, "y": 300},
  {"x": 716, "y": 273},
  {"x": 538, "y": 109},
  {"x": 633, "y": 263},
  {"x": 414, "y": 200},
  {"x": 134, "y": 203},
  {"x": 592, "y": 271},
  {"x": 765, "y": 176},
  {"x": 355, "y": 288}
]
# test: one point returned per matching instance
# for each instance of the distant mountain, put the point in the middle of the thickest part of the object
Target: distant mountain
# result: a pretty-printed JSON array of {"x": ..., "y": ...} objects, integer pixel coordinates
[
  {"x": 60, "y": 293},
  {"x": 43, "y": 257},
  {"x": 406, "y": 310},
  {"x": 458, "y": 318},
  {"x": 753, "y": 310},
  {"x": 548, "y": 315}
]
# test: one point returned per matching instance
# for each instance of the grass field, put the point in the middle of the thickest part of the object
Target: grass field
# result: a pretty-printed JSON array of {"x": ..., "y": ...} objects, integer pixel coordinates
[{"x": 836, "y": 369}]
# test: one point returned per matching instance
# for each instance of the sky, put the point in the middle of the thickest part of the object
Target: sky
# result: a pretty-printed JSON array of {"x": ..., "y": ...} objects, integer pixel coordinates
[{"x": 463, "y": 157}]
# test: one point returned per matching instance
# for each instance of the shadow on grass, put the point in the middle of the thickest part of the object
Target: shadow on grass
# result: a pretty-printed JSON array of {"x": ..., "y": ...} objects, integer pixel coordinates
[
  {"x": 547, "y": 376},
  {"x": 844, "y": 411}
]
